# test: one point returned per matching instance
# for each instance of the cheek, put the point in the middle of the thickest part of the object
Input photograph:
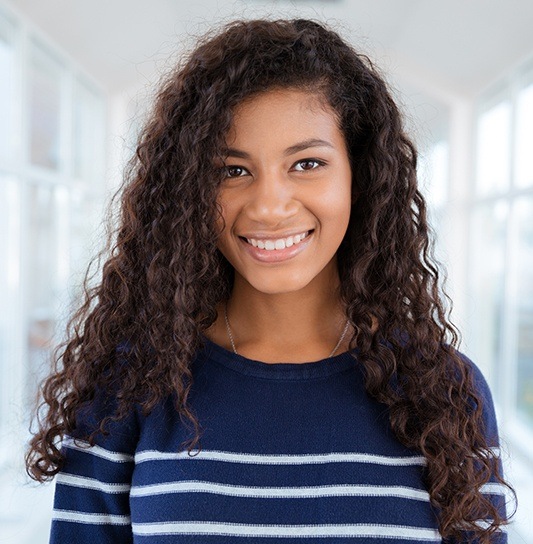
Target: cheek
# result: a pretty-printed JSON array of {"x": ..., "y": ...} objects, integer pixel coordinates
[
  {"x": 337, "y": 204},
  {"x": 337, "y": 210}
]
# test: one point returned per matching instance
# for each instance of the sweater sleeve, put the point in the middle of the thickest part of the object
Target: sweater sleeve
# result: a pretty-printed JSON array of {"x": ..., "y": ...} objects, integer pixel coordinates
[{"x": 91, "y": 502}]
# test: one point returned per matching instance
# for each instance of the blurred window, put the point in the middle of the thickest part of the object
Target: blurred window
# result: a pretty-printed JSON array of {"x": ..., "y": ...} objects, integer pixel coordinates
[
  {"x": 43, "y": 260},
  {"x": 45, "y": 78},
  {"x": 7, "y": 83},
  {"x": 493, "y": 157},
  {"x": 523, "y": 309},
  {"x": 487, "y": 277},
  {"x": 52, "y": 138},
  {"x": 87, "y": 133},
  {"x": 11, "y": 336},
  {"x": 501, "y": 251},
  {"x": 524, "y": 137}
]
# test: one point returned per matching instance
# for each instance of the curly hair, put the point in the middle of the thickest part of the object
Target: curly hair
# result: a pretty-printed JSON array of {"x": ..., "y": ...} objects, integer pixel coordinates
[{"x": 138, "y": 329}]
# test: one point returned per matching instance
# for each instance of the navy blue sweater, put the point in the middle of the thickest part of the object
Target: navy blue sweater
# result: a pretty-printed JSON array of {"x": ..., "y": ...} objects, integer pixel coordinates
[{"x": 289, "y": 452}]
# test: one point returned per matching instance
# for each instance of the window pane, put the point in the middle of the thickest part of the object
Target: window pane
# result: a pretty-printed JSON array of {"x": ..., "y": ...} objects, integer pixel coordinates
[
  {"x": 524, "y": 138},
  {"x": 42, "y": 281},
  {"x": 45, "y": 108},
  {"x": 10, "y": 333},
  {"x": 524, "y": 256},
  {"x": 87, "y": 238},
  {"x": 7, "y": 75},
  {"x": 489, "y": 228},
  {"x": 88, "y": 134},
  {"x": 493, "y": 157}
]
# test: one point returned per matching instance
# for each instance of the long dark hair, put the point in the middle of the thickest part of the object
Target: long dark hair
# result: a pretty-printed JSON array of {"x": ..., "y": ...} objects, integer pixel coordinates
[{"x": 139, "y": 328}]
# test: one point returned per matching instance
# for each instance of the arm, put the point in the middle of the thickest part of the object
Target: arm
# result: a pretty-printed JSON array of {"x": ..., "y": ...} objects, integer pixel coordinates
[{"x": 91, "y": 503}]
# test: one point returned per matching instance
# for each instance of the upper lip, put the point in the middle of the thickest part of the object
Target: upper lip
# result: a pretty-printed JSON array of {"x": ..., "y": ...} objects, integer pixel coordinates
[{"x": 273, "y": 236}]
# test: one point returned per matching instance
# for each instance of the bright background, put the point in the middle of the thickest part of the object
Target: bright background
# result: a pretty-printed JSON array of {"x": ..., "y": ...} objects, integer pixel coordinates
[{"x": 75, "y": 79}]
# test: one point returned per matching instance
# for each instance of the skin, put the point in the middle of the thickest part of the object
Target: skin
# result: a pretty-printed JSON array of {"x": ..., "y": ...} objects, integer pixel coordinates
[{"x": 288, "y": 171}]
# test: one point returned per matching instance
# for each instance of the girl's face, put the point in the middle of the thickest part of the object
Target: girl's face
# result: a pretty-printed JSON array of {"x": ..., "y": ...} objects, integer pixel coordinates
[{"x": 286, "y": 197}]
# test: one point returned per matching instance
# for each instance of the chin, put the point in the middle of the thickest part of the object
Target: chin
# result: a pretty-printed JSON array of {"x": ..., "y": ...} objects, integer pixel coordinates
[{"x": 278, "y": 287}]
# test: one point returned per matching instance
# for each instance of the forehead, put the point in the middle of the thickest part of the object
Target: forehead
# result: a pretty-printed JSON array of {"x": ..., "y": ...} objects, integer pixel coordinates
[{"x": 281, "y": 115}]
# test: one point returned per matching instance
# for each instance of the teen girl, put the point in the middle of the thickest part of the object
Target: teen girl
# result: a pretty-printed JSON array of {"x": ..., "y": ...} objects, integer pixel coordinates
[{"x": 267, "y": 356}]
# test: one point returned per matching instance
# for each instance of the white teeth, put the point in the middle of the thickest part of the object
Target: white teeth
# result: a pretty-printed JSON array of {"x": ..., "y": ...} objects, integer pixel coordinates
[{"x": 281, "y": 243}]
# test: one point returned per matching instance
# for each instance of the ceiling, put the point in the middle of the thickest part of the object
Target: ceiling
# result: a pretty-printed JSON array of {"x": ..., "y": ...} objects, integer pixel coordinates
[{"x": 459, "y": 45}]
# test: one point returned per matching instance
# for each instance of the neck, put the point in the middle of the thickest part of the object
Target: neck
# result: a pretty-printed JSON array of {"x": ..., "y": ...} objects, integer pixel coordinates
[{"x": 297, "y": 326}]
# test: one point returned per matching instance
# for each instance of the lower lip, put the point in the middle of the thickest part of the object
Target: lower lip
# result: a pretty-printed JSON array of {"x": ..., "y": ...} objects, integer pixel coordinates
[{"x": 276, "y": 255}]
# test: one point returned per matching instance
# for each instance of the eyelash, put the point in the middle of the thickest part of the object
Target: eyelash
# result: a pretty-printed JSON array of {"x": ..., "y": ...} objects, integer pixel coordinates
[{"x": 318, "y": 162}]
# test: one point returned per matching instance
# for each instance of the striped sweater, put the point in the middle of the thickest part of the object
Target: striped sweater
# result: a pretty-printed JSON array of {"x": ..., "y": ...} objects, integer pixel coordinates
[{"x": 290, "y": 452}]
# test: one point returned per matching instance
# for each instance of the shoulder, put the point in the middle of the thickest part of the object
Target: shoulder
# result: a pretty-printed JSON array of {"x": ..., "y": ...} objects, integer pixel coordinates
[
  {"x": 482, "y": 397},
  {"x": 479, "y": 381},
  {"x": 98, "y": 423},
  {"x": 100, "y": 419}
]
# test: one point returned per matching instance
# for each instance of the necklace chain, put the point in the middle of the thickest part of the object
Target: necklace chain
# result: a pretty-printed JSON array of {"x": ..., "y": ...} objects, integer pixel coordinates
[{"x": 230, "y": 335}]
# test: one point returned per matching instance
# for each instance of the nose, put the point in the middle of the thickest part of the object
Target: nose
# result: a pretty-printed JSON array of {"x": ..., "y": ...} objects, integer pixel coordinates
[{"x": 272, "y": 199}]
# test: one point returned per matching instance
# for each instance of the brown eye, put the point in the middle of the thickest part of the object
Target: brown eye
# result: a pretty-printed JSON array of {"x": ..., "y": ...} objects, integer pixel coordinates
[
  {"x": 235, "y": 171},
  {"x": 307, "y": 164}
]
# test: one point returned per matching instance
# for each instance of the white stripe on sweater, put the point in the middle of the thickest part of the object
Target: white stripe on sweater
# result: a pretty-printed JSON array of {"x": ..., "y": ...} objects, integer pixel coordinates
[
  {"x": 196, "y": 486},
  {"x": 494, "y": 488},
  {"x": 90, "y": 518},
  {"x": 281, "y": 459},
  {"x": 80, "y": 445},
  {"x": 287, "y": 531},
  {"x": 91, "y": 483}
]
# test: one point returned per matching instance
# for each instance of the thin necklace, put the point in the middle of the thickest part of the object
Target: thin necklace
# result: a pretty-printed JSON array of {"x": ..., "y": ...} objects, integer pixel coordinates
[{"x": 235, "y": 349}]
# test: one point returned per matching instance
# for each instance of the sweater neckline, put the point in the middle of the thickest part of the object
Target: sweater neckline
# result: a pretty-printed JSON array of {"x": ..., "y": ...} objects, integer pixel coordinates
[{"x": 279, "y": 371}]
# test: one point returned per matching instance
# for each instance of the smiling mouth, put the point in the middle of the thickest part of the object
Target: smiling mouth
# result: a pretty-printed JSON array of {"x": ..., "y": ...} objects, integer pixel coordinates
[{"x": 279, "y": 243}]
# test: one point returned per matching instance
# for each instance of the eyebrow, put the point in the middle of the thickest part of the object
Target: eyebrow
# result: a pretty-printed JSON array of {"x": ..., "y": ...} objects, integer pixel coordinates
[{"x": 300, "y": 146}]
